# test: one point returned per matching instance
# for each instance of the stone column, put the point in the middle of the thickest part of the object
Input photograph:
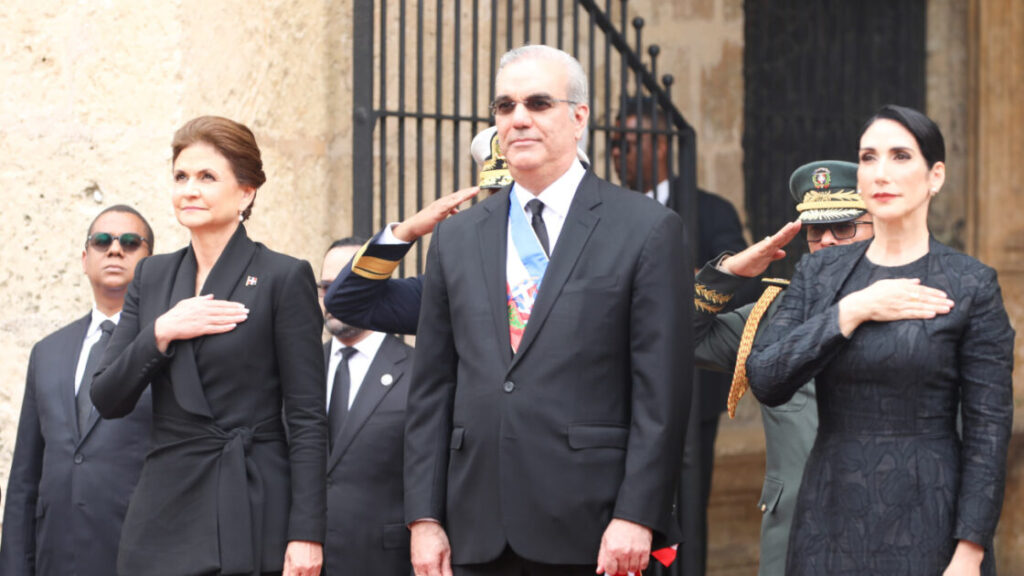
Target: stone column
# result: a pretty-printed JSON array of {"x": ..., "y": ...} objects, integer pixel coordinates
[{"x": 995, "y": 227}]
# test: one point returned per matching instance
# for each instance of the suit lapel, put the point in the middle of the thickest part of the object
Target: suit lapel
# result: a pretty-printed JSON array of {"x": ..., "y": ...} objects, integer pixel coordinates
[
  {"x": 579, "y": 224},
  {"x": 67, "y": 365},
  {"x": 188, "y": 388},
  {"x": 385, "y": 370},
  {"x": 493, "y": 232},
  {"x": 223, "y": 278},
  {"x": 830, "y": 285}
]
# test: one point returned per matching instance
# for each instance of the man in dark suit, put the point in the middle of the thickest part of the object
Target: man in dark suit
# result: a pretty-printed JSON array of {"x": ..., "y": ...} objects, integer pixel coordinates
[
  {"x": 642, "y": 158},
  {"x": 73, "y": 473},
  {"x": 368, "y": 381},
  {"x": 550, "y": 394}
]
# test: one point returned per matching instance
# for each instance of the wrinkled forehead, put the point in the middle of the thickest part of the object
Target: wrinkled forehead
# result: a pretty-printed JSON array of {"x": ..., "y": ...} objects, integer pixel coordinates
[{"x": 530, "y": 76}]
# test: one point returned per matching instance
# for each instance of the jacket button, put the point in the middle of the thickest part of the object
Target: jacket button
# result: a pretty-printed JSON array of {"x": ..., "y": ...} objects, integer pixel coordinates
[
  {"x": 764, "y": 507},
  {"x": 509, "y": 386},
  {"x": 79, "y": 458}
]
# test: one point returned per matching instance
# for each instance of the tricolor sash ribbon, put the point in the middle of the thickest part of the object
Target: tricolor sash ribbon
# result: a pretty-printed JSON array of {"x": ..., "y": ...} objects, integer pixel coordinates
[{"x": 525, "y": 268}]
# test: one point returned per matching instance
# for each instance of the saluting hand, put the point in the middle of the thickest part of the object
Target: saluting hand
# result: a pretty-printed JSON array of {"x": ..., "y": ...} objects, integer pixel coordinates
[
  {"x": 303, "y": 558},
  {"x": 423, "y": 222},
  {"x": 756, "y": 258},
  {"x": 891, "y": 300},
  {"x": 198, "y": 316}
]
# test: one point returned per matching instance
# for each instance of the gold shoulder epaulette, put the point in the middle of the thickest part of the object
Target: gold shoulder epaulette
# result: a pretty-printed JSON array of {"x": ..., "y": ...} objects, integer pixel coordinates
[
  {"x": 781, "y": 282},
  {"x": 708, "y": 299}
]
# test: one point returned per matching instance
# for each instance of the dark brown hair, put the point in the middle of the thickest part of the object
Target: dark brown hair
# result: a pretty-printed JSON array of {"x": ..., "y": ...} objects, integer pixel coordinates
[{"x": 232, "y": 140}]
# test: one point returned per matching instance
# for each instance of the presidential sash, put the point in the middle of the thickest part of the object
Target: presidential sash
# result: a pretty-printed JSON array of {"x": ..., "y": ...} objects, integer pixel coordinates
[{"x": 525, "y": 266}]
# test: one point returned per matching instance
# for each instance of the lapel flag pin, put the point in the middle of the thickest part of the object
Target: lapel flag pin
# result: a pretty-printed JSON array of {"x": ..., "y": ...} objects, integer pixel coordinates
[
  {"x": 250, "y": 280},
  {"x": 386, "y": 379}
]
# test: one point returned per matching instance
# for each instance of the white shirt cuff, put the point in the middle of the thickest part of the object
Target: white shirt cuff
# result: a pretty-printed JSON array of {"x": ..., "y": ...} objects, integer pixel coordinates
[{"x": 388, "y": 237}]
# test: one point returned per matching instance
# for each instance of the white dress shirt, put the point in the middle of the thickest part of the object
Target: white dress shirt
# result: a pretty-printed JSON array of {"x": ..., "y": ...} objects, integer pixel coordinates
[
  {"x": 92, "y": 336},
  {"x": 660, "y": 193},
  {"x": 358, "y": 363},
  {"x": 556, "y": 198}
]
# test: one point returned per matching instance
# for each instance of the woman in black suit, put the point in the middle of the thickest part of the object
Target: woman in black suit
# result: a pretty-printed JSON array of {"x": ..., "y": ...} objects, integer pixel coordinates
[
  {"x": 228, "y": 333},
  {"x": 902, "y": 334}
]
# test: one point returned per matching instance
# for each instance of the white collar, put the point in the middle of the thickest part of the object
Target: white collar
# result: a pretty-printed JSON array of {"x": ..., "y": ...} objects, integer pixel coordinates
[
  {"x": 367, "y": 346},
  {"x": 98, "y": 318},
  {"x": 558, "y": 196},
  {"x": 661, "y": 194}
]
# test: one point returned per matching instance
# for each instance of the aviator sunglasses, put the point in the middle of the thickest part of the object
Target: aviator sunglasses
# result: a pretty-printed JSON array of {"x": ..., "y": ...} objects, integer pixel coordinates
[
  {"x": 129, "y": 241},
  {"x": 840, "y": 230},
  {"x": 536, "y": 103}
]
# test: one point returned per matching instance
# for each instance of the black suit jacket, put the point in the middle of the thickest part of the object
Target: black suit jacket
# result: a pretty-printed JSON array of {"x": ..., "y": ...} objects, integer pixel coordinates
[
  {"x": 586, "y": 422},
  {"x": 67, "y": 493},
  {"x": 718, "y": 230},
  {"x": 223, "y": 490},
  {"x": 366, "y": 531}
]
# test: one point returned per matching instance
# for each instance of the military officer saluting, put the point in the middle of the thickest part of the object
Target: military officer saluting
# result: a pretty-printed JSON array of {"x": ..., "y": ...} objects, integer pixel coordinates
[{"x": 832, "y": 213}]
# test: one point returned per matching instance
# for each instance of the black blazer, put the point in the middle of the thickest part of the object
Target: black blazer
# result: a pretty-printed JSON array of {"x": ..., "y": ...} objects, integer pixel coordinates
[
  {"x": 541, "y": 449},
  {"x": 221, "y": 474},
  {"x": 366, "y": 531},
  {"x": 67, "y": 494}
]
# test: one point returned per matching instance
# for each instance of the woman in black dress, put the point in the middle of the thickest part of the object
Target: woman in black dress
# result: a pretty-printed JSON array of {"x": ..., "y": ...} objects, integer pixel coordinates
[
  {"x": 902, "y": 335},
  {"x": 228, "y": 334}
]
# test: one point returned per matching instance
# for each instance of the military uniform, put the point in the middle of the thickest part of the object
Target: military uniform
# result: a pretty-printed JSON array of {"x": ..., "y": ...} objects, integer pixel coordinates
[
  {"x": 789, "y": 429},
  {"x": 825, "y": 194}
]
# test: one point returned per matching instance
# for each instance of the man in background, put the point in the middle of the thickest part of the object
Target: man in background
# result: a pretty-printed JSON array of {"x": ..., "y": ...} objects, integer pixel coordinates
[
  {"x": 73, "y": 473},
  {"x": 367, "y": 385},
  {"x": 641, "y": 159}
]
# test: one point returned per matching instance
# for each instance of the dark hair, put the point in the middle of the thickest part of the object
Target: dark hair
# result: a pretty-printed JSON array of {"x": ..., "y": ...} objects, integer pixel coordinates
[
  {"x": 922, "y": 128},
  {"x": 646, "y": 107},
  {"x": 232, "y": 140},
  {"x": 126, "y": 209},
  {"x": 346, "y": 242}
]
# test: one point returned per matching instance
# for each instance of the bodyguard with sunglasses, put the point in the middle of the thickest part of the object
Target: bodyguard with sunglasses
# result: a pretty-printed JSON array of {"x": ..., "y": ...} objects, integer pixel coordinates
[{"x": 73, "y": 472}]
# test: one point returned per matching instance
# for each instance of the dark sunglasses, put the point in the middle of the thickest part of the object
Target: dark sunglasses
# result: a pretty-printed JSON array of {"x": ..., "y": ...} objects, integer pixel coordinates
[
  {"x": 840, "y": 230},
  {"x": 535, "y": 103},
  {"x": 129, "y": 241}
]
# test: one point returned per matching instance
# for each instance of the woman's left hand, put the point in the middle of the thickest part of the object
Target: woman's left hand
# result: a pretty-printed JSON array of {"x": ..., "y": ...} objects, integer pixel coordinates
[
  {"x": 303, "y": 558},
  {"x": 966, "y": 560}
]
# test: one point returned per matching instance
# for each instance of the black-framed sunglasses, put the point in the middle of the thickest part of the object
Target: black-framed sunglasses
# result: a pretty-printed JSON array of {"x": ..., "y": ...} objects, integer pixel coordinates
[
  {"x": 129, "y": 241},
  {"x": 535, "y": 103},
  {"x": 840, "y": 230}
]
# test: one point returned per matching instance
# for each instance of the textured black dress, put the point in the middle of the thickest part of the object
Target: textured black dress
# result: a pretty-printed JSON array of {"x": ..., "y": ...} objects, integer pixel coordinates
[{"x": 889, "y": 488}]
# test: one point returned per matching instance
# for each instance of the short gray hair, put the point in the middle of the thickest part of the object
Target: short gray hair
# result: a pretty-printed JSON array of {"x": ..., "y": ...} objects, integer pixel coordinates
[{"x": 577, "y": 78}]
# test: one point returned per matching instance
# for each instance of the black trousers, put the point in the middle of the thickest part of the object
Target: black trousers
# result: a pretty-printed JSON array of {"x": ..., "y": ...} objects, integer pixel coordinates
[{"x": 511, "y": 564}]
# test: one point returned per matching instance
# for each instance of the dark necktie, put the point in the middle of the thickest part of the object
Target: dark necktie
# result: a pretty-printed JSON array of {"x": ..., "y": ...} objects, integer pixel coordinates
[
  {"x": 339, "y": 394},
  {"x": 535, "y": 207},
  {"x": 82, "y": 401}
]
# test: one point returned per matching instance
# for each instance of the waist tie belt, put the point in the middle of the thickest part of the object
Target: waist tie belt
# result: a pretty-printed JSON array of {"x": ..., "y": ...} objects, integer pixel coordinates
[{"x": 238, "y": 532}]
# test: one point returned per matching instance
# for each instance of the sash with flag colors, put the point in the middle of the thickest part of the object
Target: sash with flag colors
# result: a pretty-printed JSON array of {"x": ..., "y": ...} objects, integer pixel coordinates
[{"x": 524, "y": 270}]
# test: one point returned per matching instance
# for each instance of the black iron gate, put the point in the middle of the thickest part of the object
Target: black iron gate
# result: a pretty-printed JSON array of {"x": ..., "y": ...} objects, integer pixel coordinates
[{"x": 423, "y": 79}]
